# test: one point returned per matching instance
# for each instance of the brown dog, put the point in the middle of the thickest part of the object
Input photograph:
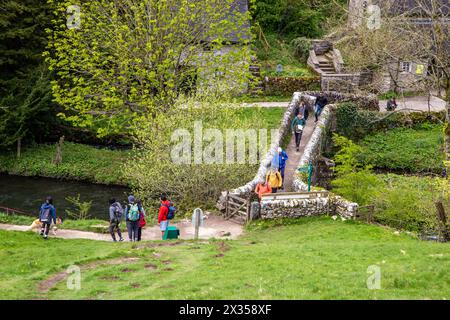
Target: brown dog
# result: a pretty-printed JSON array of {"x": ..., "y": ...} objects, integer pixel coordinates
[{"x": 37, "y": 225}]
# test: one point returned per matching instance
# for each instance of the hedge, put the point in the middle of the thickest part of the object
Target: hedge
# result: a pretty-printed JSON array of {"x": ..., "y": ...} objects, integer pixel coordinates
[{"x": 289, "y": 85}]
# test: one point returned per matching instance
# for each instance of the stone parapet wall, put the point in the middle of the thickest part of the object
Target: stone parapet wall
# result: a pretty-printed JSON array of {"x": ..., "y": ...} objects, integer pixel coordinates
[
  {"x": 246, "y": 190},
  {"x": 295, "y": 208}
]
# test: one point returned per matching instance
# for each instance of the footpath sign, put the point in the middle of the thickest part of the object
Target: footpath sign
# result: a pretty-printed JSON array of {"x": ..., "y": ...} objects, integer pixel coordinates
[{"x": 197, "y": 221}]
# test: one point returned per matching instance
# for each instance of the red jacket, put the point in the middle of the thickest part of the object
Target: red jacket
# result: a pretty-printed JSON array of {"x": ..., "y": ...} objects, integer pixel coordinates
[{"x": 163, "y": 211}]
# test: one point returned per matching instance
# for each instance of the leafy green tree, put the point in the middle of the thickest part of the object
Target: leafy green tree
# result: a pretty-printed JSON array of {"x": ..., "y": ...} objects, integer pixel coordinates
[
  {"x": 355, "y": 180},
  {"x": 123, "y": 62}
]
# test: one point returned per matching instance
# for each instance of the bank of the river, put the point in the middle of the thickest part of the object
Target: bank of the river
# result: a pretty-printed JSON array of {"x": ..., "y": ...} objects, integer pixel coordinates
[{"x": 80, "y": 162}]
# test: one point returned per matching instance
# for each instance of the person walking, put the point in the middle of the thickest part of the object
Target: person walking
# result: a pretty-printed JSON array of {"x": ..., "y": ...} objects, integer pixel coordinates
[
  {"x": 162, "y": 215},
  {"x": 303, "y": 109},
  {"x": 262, "y": 188},
  {"x": 297, "y": 126},
  {"x": 142, "y": 221},
  {"x": 115, "y": 217},
  {"x": 321, "y": 102},
  {"x": 274, "y": 179},
  {"x": 132, "y": 218},
  {"x": 47, "y": 214},
  {"x": 282, "y": 158},
  {"x": 391, "y": 104}
]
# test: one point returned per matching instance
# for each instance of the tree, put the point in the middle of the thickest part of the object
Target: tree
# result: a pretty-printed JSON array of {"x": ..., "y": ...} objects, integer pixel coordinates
[
  {"x": 296, "y": 18},
  {"x": 355, "y": 180},
  {"x": 128, "y": 61},
  {"x": 25, "y": 92}
]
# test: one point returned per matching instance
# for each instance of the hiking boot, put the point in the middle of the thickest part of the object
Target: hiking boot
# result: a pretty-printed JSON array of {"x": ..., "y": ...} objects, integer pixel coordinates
[
  {"x": 45, "y": 237},
  {"x": 298, "y": 149},
  {"x": 121, "y": 239}
]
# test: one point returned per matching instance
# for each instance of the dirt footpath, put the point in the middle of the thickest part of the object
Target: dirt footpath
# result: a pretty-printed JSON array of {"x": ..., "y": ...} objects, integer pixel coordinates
[{"x": 214, "y": 227}]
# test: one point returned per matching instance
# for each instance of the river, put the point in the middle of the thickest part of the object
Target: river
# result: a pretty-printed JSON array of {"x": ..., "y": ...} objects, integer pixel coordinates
[{"x": 28, "y": 193}]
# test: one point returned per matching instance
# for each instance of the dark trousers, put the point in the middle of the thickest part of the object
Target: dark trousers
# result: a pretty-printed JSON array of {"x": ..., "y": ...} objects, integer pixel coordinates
[
  {"x": 45, "y": 228},
  {"x": 282, "y": 176},
  {"x": 132, "y": 227},
  {"x": 318, "y": 112},
  {"x": 298, "y": 138},
  {"x": 113, "y": 227},
  {"x": 139, "y": 233}
]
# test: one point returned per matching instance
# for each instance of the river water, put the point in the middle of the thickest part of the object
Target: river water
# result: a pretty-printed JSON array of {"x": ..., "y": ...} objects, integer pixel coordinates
[{"x": 28, "y": 193}]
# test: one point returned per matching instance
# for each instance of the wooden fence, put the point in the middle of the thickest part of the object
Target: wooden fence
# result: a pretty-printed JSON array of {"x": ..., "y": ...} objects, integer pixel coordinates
[{"x": 237, "y": 209}]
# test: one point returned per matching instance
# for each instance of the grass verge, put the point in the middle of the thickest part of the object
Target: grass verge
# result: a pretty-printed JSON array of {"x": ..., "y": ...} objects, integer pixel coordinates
[{"x": 308, "y": 258}]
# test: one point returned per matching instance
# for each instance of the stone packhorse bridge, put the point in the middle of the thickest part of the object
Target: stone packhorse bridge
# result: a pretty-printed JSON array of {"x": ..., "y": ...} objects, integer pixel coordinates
[{"x": 297, "y": 202}]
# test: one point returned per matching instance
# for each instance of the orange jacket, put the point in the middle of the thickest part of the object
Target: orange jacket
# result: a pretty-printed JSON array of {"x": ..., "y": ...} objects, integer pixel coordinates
[{"x": 262, "y": 189}]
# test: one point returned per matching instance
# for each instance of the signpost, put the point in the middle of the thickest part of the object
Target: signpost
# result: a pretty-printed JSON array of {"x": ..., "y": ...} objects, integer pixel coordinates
[
  {"x": 308, "y": 169},
  {"x": 279, "y": 69},
  {"x": 197, "y": 221}
]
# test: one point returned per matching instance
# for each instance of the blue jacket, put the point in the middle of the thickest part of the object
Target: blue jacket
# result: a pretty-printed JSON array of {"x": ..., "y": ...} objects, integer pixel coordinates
[
  {"x": 46, "y": 206},
  {"x": 282, "y": 159}
]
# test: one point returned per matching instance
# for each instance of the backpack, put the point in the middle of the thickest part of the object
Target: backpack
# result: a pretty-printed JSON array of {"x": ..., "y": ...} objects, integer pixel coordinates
[
  {"x": 44, "y": 215},
  {"x": 133, "y": 212},
  {"x": 118, "y": 211},
  {"x": 171, "y": 213}
]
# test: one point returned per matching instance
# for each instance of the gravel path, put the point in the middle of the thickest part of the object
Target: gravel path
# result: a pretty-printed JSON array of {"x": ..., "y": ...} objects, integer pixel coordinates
[
  {"x": 294, "y": 156},
  {"x": 214, "y": 227}
]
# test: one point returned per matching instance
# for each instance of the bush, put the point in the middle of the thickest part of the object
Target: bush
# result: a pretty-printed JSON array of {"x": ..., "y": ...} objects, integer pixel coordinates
[
  {"x": 301, "y": 46},
  {"x": 188, "y": 184}
]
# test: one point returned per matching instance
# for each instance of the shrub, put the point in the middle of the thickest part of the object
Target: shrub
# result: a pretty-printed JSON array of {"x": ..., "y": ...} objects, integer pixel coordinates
[{"x": 301, "y": 46}]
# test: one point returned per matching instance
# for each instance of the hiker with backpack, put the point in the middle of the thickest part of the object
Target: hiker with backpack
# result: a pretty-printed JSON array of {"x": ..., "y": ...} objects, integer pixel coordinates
[
  {"x": 303, "y": 109},
  {"x": 274, "y": 180},
  {"x": 282, "y": 158},
  {"x": 166, "y": 213},
  {"x": 115, "y": 217},
  {"x": 297, "y": 126},
  {"x": 142, "y": 221},
  {"x": 47, "y": 214},
  {"x": 132, "y": 216}
]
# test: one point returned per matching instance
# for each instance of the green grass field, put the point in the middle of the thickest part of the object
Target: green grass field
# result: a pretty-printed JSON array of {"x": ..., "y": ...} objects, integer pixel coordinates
[{"x": 310, "y": 258}]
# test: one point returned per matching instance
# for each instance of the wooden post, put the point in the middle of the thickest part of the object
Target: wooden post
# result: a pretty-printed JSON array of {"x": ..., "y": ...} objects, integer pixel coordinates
[
  {"x": 226, "y": 205},
  {"x": 442, "y": 221}
]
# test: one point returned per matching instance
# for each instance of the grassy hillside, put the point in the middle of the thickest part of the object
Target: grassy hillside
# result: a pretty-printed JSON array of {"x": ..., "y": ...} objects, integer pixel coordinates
[
  {"x": 311, "y": 258},
  {"x": 406, "y": 150}
]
